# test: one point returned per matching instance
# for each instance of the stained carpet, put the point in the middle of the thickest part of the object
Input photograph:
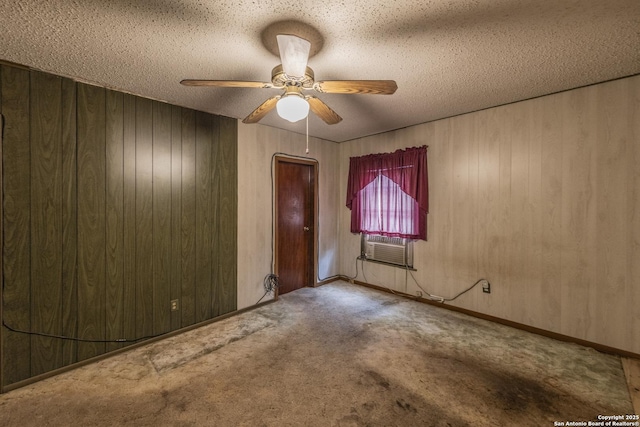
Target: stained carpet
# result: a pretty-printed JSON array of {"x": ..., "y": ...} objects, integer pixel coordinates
[{"x": 337, "y": 355}]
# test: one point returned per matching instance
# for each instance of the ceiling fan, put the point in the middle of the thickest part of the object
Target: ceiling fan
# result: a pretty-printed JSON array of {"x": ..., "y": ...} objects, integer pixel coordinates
[{"x": 294, "y": 77}]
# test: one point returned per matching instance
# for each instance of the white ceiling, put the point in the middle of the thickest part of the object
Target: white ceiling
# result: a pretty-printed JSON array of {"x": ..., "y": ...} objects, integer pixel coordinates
[{"x": 448, "y": 57}]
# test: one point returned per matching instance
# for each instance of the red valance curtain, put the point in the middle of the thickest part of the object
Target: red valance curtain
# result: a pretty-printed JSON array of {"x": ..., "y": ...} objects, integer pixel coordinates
[{"x": 408, "y": 170}]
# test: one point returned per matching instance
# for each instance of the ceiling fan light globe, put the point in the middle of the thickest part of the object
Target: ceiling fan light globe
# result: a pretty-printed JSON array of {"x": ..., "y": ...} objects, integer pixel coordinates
[{"x": 292, "y": 108}]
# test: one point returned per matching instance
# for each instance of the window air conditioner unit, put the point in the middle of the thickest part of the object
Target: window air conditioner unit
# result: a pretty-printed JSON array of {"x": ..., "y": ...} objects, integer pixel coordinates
[{"x": 389, "y": 250}]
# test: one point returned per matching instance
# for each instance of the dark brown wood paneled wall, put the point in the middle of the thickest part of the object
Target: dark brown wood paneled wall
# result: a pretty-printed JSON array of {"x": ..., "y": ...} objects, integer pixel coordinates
[
  {"x": 113, "y": 205},
  {"x": 16, "y": 201},
  {"x": 91, "y": 205}
]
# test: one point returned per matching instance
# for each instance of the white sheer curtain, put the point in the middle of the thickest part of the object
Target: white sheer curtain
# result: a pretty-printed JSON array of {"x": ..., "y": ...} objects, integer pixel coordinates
[{"x": 386, "y": 209}]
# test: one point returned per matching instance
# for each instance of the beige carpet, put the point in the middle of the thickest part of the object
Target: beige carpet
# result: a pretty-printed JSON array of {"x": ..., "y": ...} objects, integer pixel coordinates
[{"x": 337, "y": 355}]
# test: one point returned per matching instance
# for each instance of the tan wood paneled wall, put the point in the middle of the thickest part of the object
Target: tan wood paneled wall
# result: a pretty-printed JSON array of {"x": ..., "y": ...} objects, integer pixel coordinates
[
  {"x": 256, "y": 146},
  {"x": 114, "y": 205},
  {"x": 542, "y": 198}
]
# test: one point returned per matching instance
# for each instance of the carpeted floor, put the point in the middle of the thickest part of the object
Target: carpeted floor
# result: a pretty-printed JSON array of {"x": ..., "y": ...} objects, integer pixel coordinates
[{"x": 337, "y": 355}]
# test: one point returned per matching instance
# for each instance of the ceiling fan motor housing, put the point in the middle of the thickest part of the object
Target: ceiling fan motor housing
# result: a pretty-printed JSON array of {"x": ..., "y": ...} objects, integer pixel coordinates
[{"x": 280, "y": 79}]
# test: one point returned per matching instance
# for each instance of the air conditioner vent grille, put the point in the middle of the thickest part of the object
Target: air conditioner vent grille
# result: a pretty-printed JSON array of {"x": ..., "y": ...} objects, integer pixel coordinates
[
  {"x": 390, "y": 250},
  {"x": 385, "y": 239},
  {"x": 389, "y": 253}
]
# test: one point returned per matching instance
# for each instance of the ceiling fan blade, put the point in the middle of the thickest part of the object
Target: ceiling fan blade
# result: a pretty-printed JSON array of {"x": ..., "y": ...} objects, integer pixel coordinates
[
  {"x": 323, "y": 111},
  {"x": 294, "y": 54},
  {"x": 257, "y": 114},
  {"x": 376, "y": 87},
  {"x": 226, "y": 83}
]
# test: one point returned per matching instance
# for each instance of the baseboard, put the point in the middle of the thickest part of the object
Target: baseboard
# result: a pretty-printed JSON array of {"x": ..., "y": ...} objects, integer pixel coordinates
[
  {"x": 329, "y": 280},
  {"x": 549, "y": 334}
]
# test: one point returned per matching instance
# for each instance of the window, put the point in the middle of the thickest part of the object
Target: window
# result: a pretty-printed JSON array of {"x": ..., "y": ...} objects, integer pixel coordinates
[
  {"x": 388, "y": 193},
  {"x": 386, "y": 209}
]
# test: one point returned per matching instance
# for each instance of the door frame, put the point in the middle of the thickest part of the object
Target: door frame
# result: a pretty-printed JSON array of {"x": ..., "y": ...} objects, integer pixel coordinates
[
  {"x": 307, "y": 162},
  {"x": 1, "y": 256}
]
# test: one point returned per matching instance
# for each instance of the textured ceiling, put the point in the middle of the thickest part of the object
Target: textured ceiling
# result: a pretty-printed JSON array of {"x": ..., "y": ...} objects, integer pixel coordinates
[{"x": 448, "y": 56}]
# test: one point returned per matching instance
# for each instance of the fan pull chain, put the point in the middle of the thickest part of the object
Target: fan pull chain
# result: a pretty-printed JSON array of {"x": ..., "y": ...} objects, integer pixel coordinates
[{"x": 307, "y": 134}]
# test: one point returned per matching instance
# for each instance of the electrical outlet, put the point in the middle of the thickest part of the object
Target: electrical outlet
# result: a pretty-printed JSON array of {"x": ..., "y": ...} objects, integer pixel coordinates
[
  {"x": 419, "y": 294},
  {"x": 174, "y": 305},
  {"x": 486, "y": 287}
]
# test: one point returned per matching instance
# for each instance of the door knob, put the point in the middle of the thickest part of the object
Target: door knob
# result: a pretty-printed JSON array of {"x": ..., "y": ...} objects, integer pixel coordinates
[{"x": 306, "y": 228}]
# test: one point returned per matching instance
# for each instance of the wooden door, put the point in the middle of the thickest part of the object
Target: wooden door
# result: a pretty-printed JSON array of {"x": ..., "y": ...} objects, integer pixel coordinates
[{"x": 295, "y": 223}]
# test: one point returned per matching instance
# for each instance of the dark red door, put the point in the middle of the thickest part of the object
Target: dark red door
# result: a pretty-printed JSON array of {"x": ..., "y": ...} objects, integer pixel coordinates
[{"x": 295, "y": 224}]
